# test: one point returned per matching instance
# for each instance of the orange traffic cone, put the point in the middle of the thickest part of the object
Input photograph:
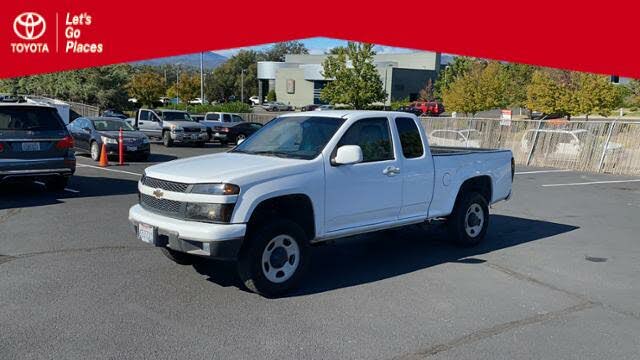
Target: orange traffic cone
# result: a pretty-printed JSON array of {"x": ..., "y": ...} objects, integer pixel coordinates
[{"x": 104, "y": 162}]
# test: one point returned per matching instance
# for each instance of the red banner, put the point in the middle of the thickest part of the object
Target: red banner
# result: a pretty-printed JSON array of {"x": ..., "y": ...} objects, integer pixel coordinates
[{"x": 47, "y": 36}]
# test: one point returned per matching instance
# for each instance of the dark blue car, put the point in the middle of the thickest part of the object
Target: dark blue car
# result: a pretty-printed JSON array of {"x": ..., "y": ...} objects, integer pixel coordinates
[{"x": 89, "y": 133}]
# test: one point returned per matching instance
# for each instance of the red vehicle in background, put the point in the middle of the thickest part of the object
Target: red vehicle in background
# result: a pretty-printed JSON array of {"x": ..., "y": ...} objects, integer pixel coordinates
[{"x": 428, "y": 108}]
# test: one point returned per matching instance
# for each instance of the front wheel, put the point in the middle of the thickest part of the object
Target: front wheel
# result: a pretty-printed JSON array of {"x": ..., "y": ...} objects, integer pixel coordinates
[
  {"x": 274, "y": 258},
  {"x": 240, "y": 137},
  {"x": 470, "y": 219},
  {"x": 95, "y": 151}
]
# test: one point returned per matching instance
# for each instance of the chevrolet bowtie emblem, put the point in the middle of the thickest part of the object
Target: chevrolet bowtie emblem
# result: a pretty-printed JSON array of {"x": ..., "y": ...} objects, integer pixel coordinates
[{"x": 157, "y": 193}]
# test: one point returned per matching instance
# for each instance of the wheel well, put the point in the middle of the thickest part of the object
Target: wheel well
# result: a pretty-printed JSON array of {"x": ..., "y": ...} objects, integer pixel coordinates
[
  {"x": 480, "y": 184},
  {"x": 296, "y": 207}
]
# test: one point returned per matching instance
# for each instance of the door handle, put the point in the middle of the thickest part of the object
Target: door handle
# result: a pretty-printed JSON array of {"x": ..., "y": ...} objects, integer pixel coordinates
[
  {"x": 391, "y": 171},
  {"x": 141, "y": 122}
]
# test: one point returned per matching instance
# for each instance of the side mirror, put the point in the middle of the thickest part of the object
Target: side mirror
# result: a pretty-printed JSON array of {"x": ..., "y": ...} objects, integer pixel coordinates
[{"x": 348, "y": 154}]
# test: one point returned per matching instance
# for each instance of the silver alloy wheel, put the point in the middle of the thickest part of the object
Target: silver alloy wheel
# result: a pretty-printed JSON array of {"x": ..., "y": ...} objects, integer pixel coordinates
[
  {"x": 95, "y": 151},
  {"x": 474, "y": 220},
  {"x": 280, "y": 258},
  {"x": 240, "y": 137}
]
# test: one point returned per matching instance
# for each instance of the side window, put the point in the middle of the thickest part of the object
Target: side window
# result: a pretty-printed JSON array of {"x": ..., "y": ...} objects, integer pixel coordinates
[
  {"x": 212, "y": 117},
  {"x": 237, "y": 118},
  {"x": 144, "y": 115},
  {"x": 226, "y": 118},
  {"x": 409, "y": 138},
  {"x": 154, "y": 117},
  {"x": 372, "y": 135}
]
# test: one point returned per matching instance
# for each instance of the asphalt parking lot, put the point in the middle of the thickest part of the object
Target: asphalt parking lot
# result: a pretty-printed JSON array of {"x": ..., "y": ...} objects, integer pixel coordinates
[{"x": 558, "y": 277}]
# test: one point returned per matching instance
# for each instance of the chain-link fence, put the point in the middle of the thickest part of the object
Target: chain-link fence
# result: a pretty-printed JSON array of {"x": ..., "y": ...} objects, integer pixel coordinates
[{"x": 593, "y": 145}]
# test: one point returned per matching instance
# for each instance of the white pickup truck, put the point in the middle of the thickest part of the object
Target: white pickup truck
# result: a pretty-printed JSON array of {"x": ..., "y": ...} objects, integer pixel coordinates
[{"x": 306, "y": 178}]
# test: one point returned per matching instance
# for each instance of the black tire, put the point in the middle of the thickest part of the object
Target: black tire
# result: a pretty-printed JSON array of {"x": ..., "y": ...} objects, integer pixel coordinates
[
  {"x": 251, "y": 267},
  {"x": 209, "y": 134},
  {"x": 200, "y": 144},
  {"x": 238, "y": 137},
  {"x": 178, "y": 257},
  {"x": 167, "y": 141},
  {"x": 92, "y": 152},
  {"x": 469, "y": 230},
  {"x": 142, "y": 157},
  {"x": 56, "y": 183}
]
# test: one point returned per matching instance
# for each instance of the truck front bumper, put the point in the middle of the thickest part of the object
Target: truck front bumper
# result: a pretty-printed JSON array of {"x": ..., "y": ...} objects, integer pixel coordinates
[
  {"x": 189, "y": 137},
  {"x": 220, "y": 241}
]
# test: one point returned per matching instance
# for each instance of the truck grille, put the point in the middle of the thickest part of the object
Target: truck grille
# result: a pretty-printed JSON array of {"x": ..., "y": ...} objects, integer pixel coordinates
[
  {"x": 192, "y": 130},
  {"x": 164, "y": 184},
  {"x": 169, "y": 207}
]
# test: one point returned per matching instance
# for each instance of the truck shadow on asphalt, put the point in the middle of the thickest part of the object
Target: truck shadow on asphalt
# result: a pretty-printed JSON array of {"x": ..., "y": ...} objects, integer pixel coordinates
[
  {"x": 372, "y": 257},
  {"x": 31, "y": 194}
]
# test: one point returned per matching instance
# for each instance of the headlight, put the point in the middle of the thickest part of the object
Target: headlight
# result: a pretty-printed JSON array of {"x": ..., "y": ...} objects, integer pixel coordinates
[
  {"x": 176, "y": 128},
  {"x": 209, "y": 212},
  {"x": 108, "y": 140},
  {"x": 215, "y": 189}
]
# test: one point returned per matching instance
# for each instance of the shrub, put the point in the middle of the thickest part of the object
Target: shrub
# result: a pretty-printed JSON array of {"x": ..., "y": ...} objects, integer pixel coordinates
[
  {"x": 232, "y": 107},
  {"x": 271, "y": 95}
]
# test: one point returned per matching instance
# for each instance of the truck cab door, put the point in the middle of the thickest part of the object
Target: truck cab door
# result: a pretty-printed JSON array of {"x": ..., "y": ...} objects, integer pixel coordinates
[
  {"x": 417, "y": 169},
  {"x": 369, "y": 192}
]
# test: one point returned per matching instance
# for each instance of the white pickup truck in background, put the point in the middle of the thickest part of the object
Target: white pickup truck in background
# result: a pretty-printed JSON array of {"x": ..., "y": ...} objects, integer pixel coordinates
[{"x": 306, "y": 178}]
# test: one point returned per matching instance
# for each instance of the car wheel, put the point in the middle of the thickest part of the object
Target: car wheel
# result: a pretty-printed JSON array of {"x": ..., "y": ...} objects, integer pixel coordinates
[
  {"x": 166, "y": 139},
  {"x": 274, "y": 258},
  {"x": 57, "y": 183},
  {"x": 95, "y": 151},
  {"x": 240, "y": 137},
  {"x": 470, "y": 219},
  {"x": 178, "y": 257}
]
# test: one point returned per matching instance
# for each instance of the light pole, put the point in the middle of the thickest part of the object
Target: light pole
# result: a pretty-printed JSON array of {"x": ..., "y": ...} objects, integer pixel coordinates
[
  {"x": 242, "y": 85},
  {"x": 201, "y": 78}
]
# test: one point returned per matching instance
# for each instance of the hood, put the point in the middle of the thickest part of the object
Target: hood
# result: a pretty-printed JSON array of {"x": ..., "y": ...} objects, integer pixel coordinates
[
  {"x": 125, "y": 134},
  {"x": 188, "y": 124},
  {"x": 235, "y": 168}
]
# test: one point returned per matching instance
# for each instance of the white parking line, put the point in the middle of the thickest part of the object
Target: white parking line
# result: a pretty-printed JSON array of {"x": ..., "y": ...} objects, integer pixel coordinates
[
  {"x": 593, "y": 182},
  {"x": 542, "y": 171},
  {"x": 108, "y": 169}
]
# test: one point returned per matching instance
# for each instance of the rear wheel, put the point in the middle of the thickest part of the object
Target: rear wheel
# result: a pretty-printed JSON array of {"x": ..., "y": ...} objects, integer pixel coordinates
[
  {"x": 178, "y": 257},
  {"x": 241, "y": 137},
  {"x": 469, "y": 221},
  {"x": 95, "y": 151},
  {"x": 167, "y": 141},
  {"x": 56, "y": 183},
  {"x": 274, "y": 258}
]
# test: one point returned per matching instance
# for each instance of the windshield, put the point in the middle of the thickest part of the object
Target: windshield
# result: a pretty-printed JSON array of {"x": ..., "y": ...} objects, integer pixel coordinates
[
  {"x": 111, "y": 125},
  {"x": 298, "y": 137},
  {"x": 29, "y": 118},
  {"x": 176, "y": 115}
]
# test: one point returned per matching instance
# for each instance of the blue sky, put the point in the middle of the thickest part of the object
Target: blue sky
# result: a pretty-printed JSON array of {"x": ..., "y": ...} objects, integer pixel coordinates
[{"x": 319, "y": 45}]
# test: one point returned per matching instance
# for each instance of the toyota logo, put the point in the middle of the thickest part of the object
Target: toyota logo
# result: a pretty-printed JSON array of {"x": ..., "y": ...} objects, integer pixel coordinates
[{"x": 29, "y": 26}]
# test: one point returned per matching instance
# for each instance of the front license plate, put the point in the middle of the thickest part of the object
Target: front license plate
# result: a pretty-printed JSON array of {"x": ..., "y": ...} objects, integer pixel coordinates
[
  {"x": 132, "y": 148},
  {"x": 31, "y": 146},
  {"x": 146, "y": 233}
]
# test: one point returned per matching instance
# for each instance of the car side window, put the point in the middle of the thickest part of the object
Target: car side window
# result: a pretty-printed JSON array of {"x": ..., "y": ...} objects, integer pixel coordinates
[
  {"x": 237, "y": 118},
  {"x": 410, "y": 139},
  {"x": 373, "y": 137},
  {"x": 212, "y": 117},
  {"x": 226, "y": 118},
  {"x": 144, "y": 115}
]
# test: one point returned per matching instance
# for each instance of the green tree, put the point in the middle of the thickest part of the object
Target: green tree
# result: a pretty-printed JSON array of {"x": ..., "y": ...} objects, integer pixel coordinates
[
  {"x": 186, "y": 89},
  {"x": 458, "y": 67},
  {"x": 226, "y": 80},
  {"x": 632, "y": 98},
  {"x": 594, "y": 94},
  {"x": 549, "y": 92},
  {"x": 147, "y": 87},
  {"x": 482, "y": 87},
  {"x": 518, "y": 78},
  {"x": 356, "y": 79},
  {"x": 428, "y": 92},
  {"x": 271, "y": 95},
  {"x": 278, "y": 51}
]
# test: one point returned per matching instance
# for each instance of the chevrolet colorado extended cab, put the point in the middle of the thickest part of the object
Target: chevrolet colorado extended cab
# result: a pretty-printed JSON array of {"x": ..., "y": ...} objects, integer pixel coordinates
[{"x": 306, "y": 178}]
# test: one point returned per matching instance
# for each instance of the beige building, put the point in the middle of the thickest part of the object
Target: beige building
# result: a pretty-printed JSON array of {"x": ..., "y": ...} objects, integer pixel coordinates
[{"x": 298, "y": 80}]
